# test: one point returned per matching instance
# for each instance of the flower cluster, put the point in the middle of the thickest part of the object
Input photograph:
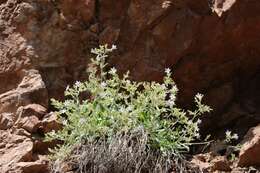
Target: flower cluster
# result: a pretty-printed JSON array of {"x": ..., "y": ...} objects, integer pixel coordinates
[{"x": 230, "y": 136}]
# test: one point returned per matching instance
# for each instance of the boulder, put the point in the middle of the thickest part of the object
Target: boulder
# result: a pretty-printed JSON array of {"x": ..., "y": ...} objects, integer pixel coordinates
[
  {"x": 28, "y": 117},
  {"x": 250, "y": 151},
  {"x": 47, "y": 124},
  {"x": 30, "y": 90},
  {"x": 30, "y": 123},
  {"x": 32, "y": 109}
]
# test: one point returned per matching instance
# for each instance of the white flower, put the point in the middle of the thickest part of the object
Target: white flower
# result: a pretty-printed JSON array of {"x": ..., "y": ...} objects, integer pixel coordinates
[
  {"x": 166, "y": 4},
  {"x": 66, "y": 103},
  {"x": 103, "y": 84},
  {"x": 98, "y": 58},
  {"x": 163, "y": 86},
  {"x": 235, "y": 136},
  {"x": 129, "y": 108},
  {"x": 228, "y": 133},
  {"x": 170, "y": 103},
  {"x": 93, "y": 51},
  {"x": 77, "y": 83},
  {"x": 167, "y": 70},
  {"x": 199, "y": 121},
  {"x": 63, "y": 111},
  {"x": 112, "y": 70},
  {"x": 82, "y": 120},
  {"x": 230, "y": 136},
  {"x": 172, "y": 97},
  {"x": 174, "y": 88},
  {"x": 189, "y": 122},
  {"x": 122, "y": 110},
  {"x": 128, "y": 82},
  {"x": 197, "y": 135},
  {"x": 183, "y": 131},
  {"x": 114, "y": 47},
  {"x": 64, "y": 122},
  {"x": 196, "y": 128},
  {"x": 199, "y": 96},
  {"x": 103, "y": 95}
]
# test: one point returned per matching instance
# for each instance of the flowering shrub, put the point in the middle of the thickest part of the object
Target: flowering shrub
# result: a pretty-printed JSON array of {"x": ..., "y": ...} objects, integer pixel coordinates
[{"x": 121, "y": 114}]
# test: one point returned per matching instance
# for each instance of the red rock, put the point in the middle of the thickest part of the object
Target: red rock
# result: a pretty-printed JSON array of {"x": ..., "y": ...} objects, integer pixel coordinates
[
  {"x": 6, "y": 120},
  {"x": 83, "y": 10},
  {"x": 29, "y": 90},
  {"x": 15, "y": 148},
  {"x": 202, "y": 161},
  {"x": 32, "y": 109},
  {"x": 28, "y": 117},
  {"x": 220, "y": 163},
  {"x": 50, "y": 122},
  {"x": 30, "y": 123},
  {"x": 250, "y": 151},
  {"x": 42, "y": 147},
  {"x": 32, "y": 167}
]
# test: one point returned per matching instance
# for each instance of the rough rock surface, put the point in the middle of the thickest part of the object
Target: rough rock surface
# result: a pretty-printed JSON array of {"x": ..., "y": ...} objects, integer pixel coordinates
[
  {"x": 250, "y": 151},
  {"x": 16, "y": 155},
  {"x": 14, "y": 148},
  {"x": 21, "y": 143},
  {"x": 212, "y": 46},
  {"x": 210, "y": 162}
]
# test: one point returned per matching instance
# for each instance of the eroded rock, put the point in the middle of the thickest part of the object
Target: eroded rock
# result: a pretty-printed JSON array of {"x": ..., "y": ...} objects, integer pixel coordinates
[
  {"x": 6, "y": 120},
  {"x": 32, "y": 109},
  {"x": 250, "y": 151},
  {"x": 50, "y": 122},
  {"x": 220, "y": 163},
  {"x": 29, "y": 117},
  {"x": 14, "y": 149},
  {"x": 30, "y": 90},
  {"x": 32, "y": 167}
]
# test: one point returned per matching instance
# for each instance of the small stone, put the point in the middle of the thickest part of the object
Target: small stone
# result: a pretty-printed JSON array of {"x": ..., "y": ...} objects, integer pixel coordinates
[
  {"x": 220, "y": 163},
  {"x": 6, "y": 120},
  {"x": 50, "y": 122},
  {"x": 30, "y": 123},
  {"x": 201, "y": 161}
]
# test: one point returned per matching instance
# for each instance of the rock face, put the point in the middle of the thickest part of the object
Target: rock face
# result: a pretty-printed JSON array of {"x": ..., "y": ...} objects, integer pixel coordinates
[
  {"x": 16, "y": 155},
  {"x": 22, "y": 148},
  {"x": 212, "y": 46}
]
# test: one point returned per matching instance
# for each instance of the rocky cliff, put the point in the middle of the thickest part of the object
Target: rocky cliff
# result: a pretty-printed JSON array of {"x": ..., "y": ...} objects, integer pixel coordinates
[{"x": 213, "y": 47}]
